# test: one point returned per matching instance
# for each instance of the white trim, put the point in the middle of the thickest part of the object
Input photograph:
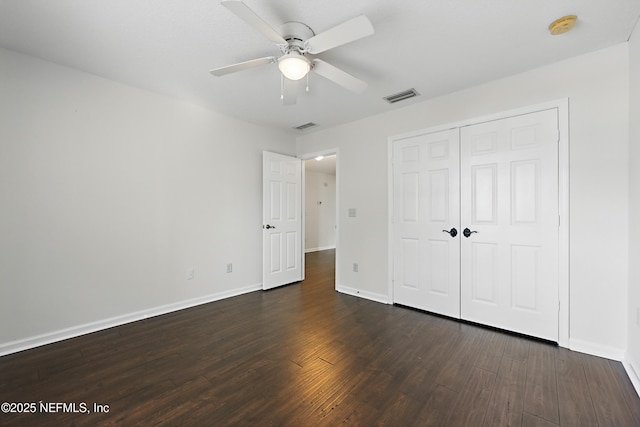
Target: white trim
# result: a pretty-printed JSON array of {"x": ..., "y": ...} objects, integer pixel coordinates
[
  {"x": 633, "y": 372},
  {"x": 391, "y": 220},
  {"x": 382, "y": 298},
  {"x": 323, "y": 248},
  {"x": 303, "y": 215},
  {"x": 559, "y": 103},
  {"x": 87, "y": 328},
  {"x": 562, "y": 105},
  {"x": 596, "y": 349},
  {"x": 337, "y": 257},
  {"x": 564, "y": 279},
  {"x": 326, "y": 153}
]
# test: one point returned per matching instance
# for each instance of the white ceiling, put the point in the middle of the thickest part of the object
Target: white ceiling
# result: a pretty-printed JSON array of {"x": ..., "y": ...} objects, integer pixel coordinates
[{"x": 436, "y": 47}]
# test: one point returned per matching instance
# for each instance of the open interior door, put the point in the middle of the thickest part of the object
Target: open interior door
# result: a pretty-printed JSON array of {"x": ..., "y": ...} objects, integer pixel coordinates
[{"x": 282, "y": 220}]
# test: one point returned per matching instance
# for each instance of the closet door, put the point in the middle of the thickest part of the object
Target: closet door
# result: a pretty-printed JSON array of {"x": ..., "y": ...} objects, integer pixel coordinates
[
  {"x": 509, "y": 206},
  {"x": 426, "y": 217}
]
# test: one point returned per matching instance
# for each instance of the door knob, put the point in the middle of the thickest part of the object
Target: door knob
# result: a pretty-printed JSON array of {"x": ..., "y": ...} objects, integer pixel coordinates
[
  {"x": 268, "y": 226},
  {"x": 453, "y": 232},
  {"x": 468, "y": 232}
]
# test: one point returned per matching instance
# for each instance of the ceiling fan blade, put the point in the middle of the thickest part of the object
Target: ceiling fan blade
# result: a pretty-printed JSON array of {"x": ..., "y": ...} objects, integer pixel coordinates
[
  {"x": 247, "y": 15},
  {"x": 338, "y": 76},
  {"x": 243, "y": 66},
  {"x": 289, "y": 91},
  {"x": 344, "y": 33}
]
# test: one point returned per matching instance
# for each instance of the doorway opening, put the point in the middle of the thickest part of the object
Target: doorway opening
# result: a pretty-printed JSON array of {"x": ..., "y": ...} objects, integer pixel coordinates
[{"x": 320, "y": 202}]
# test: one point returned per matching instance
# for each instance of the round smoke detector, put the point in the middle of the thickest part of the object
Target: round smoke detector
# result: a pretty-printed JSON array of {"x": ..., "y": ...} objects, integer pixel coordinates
[{"x": 562, "y": 25}]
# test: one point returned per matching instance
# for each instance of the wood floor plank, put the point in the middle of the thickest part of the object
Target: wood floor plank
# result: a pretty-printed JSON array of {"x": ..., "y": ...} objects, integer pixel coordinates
[
  {"x": 402, "y": 407},
  {"x": 473, "y": 401},
  {"x": 517, "y": 348},
  {"x": 490, "y": 350},
  {"x": 608, "y": 400},
  {"x": 574, "y": 397},
  {"x": 506, "y": 405},
  {"x": 626, "y": 388},
  {"x": 306, "y": 355},
  {"x": 529, "y": 420},
  {"x": 458, "y": 364},
  {"x": 541, "y": 392},
  {"x": 439, "y": 407}
]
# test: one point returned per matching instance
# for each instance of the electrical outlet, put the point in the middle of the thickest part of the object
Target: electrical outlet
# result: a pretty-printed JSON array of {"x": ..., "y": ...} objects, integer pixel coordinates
[
  {"x": 229, "y": 268},
  {"x": 355, "y": 267},
  {"x": 190, "y": 273}
]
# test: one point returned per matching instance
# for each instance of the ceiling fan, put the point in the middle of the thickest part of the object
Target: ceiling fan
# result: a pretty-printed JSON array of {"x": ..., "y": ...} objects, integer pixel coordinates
[{"x": 299, "y": 45}]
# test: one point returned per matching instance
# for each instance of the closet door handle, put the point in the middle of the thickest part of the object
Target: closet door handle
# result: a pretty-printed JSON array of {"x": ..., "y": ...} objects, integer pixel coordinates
[
  {"x": 453, "y": 232},
  {"x": 466, "y": 232}
]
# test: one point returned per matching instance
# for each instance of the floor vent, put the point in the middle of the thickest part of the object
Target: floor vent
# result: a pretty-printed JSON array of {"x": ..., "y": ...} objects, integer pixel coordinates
[
  {"x": 406, "y": 94},
  {"x": 305, "y": 126}
]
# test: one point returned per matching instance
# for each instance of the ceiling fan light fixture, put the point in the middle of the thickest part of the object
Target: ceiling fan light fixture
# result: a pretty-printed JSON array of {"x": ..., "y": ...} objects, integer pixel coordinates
[{"x": 294, "y": 66}]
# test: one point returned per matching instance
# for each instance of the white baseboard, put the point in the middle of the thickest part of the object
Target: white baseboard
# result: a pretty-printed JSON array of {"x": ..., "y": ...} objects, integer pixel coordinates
[
  {"x": 87, "y": 328},
  {"x": 322, "y": 248},
  {"x": 594, "y": 349},
  {"x": 384, "y": 299},
  {"x": 633, "y": 372}
]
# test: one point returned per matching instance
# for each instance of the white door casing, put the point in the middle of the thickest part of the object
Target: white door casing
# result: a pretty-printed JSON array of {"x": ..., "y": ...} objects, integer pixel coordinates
[
  {"x": 509, "y": 196},
  {"x": 282, "y": 219},
  {"x": 426, "y": 206}
]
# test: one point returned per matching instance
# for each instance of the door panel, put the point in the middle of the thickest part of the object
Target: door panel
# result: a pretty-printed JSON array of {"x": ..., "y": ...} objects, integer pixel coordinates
[
  {"x": 282, "y": 213},
  {"x": 484, "y": 193},
  {"x": 525, "y": 195},
  {"x": 484, "y": 269},
  {"x": 426, "y": 202},
  {"x": 410, "y": 197},
  {"x": 438, "y": 253},
  {"x": 525, "y": 283},
  {"x": 509, "y": 196},
  {"x": 439, "y": 203}
]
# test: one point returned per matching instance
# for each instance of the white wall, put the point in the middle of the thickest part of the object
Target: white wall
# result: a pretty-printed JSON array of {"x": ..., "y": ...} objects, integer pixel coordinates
[
  {"x": 109, "y": 194},
  {"x": 597, "y": 85},
  {"x": 320, "y": 211},
  {"x": 633, "y": 353}
]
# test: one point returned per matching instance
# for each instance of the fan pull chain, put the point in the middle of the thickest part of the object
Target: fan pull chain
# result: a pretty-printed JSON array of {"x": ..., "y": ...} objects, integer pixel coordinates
[
  {"x": 281, "y": 87},
  {"x": 307, "y": 88}
]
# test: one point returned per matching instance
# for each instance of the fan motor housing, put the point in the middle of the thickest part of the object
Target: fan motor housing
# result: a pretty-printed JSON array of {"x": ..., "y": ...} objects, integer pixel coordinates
[{"x": 296, "y": 33}]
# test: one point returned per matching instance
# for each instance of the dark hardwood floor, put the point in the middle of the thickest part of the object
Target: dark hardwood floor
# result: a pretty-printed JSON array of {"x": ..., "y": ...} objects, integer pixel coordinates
[{"x": 305, "y": 355}]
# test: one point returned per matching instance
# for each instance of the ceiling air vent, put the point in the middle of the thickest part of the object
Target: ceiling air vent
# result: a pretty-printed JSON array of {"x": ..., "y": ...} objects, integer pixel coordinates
[
  {"x": 401, "y": 96},
  {"x": 305, "y": 126}
]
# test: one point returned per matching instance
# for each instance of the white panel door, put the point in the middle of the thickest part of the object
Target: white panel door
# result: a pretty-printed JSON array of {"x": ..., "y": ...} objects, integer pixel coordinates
[
  {"x": 282, "y": 219},
  {"x": 426, "y": 273},
  {"x": 509, "y": 205}
]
